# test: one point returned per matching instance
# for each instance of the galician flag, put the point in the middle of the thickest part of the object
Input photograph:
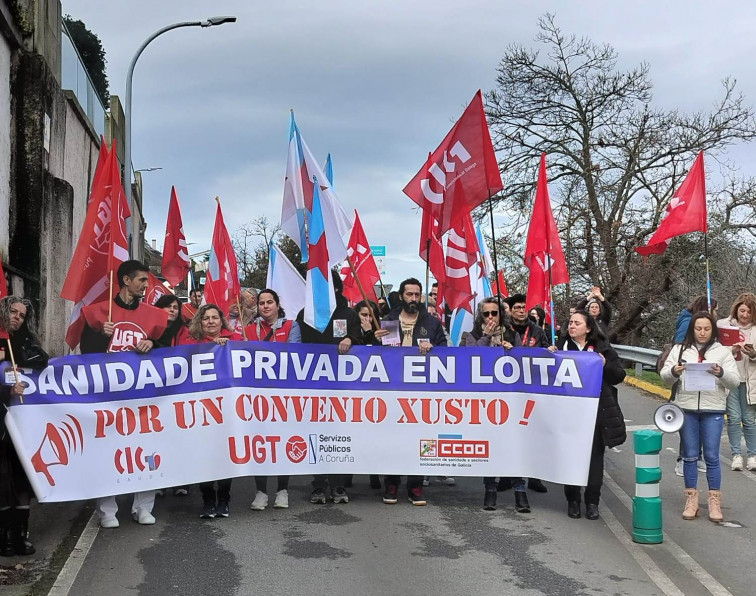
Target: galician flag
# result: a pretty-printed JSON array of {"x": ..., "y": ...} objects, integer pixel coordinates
[{"x": 320, "y": 300}]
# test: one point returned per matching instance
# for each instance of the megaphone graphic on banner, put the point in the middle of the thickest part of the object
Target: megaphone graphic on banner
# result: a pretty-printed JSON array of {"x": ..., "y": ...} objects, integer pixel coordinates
[
  {"x": 669, "y": 418},
  {"x": 55, "y": 447}
]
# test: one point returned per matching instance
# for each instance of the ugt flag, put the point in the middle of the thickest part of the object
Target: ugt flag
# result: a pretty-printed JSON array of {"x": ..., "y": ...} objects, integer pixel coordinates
[
  {"x": 222, "y": 287},
  {"x": 686, "y": 212},
  {"x": 543, "y": 250},
  {"x": 461, "y": 173},
  {"x": 175, "y": 254},
  {"x": 364, "y": 266}
]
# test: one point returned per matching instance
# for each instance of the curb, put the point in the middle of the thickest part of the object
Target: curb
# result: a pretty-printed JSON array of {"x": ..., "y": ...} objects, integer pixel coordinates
[{"x": 646, "y": 386}]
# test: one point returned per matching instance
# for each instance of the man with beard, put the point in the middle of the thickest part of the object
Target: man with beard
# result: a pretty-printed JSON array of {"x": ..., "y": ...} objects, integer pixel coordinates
[{"x": 418, "y": 328}]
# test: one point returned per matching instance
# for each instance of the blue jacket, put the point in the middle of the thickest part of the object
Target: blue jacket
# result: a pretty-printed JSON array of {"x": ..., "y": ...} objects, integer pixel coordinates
[{"x": 681, "y": 326}]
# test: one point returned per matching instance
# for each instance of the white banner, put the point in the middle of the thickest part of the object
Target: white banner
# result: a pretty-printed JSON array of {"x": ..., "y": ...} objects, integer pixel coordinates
[{"x": 100, "y": 425}]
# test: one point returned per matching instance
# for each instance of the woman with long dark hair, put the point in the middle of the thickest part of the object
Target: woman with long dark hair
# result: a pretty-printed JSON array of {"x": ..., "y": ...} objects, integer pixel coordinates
[
  {"x": 17, "y": 320},
  {"x": 272, "y": 325},
  {"x": 584, "y": 335},
  {"x": 704, "y": 410},
  {"x": 176, "y": 330}
]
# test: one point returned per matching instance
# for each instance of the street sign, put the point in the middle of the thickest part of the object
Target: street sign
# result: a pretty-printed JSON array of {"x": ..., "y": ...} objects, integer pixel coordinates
[{"x": 379, "y": 254}]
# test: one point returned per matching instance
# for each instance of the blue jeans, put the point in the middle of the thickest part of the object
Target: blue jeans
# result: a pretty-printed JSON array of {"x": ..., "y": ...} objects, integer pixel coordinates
[
  {"x": 739, "y": 410},
  {"x": 702, "y": 428}
]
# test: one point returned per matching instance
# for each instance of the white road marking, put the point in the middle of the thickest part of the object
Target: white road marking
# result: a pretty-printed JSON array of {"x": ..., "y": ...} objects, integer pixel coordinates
[
  {"x": 67, "y": 575},
  {"x": 703, "y": 576}
]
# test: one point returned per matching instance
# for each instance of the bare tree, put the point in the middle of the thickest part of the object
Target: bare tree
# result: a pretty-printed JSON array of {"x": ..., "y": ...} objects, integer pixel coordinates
[{"x": 614, "y": 161}]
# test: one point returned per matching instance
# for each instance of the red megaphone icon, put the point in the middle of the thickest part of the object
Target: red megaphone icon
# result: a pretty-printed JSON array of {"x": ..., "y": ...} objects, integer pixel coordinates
[{"x": 54, "y": 451}]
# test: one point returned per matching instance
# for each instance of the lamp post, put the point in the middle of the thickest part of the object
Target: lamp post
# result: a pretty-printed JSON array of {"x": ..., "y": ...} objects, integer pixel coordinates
[{"x": 212, "y": 21}]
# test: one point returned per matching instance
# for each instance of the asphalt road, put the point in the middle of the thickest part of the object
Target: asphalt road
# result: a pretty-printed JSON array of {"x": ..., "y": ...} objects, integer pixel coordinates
[{"x": 451, "y": 546}]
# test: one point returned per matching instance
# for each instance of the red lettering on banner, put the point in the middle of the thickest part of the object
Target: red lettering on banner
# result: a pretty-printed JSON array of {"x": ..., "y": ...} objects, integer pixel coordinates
[
  {"x": 498, "y": 411},
  {"x": 408, "y": 416},
  {"x": 474, "y": 406},
  {"x": 375, "y": 409},
  {"x": 454, "y": 413},
  {"x": 104, "y": 418},
  {"x": 148, "y": 419},
  {"x": 208, "y": 407},
  {"x": 427, "y": 403},
  {"x": 255, "y": 447}
]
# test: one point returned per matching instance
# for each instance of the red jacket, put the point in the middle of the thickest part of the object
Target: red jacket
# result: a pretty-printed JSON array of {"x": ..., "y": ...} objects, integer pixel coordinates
[
  {"x": 231, "y": 335},
  {"x": 261, "y": 331}
]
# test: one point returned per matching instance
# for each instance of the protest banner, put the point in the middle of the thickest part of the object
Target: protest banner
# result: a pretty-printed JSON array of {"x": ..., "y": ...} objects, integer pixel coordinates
[{"x": 95, "y": 425}]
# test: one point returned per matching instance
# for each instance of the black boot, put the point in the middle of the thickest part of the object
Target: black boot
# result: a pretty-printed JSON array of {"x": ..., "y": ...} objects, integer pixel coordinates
[
  {"x": 489, "y": 500},
  {"x": 521, "y": 502},
  {"x": 591, "y": 511},
  {"x": 573, "y": 509},
  {"x": 21, "y": 535},
  {"x": 6, "y": 534},
  {"x": 536, "y": 485}
]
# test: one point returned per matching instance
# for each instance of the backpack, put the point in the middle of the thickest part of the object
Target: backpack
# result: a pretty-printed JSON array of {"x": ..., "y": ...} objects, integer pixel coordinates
[{"x": 666, "y": 349}]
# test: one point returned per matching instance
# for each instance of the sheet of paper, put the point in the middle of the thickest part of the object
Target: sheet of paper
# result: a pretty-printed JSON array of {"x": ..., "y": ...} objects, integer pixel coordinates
[
  {"x": 392, "y": 339},
  {"x": 698, "y": 378}
]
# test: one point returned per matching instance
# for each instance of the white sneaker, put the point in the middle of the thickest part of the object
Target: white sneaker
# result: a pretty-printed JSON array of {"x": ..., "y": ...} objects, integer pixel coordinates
[
  {"x": 679, "y": 468},
  {"x": 282, "y": 499},
  {"x": 751, "y": 462},
  {"x": 737, "y": 463},
  {"x": 109, "y": 522},
  {"x": 426, "y": 481},
  {"x": 701, "y": 466},
  {"x": 143, "y": 517},
  {"x": 260, "y": 502}
]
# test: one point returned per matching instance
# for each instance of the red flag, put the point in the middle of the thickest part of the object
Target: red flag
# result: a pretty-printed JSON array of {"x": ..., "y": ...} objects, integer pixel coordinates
[
  {"x": 461, "y": 173},
  {"x": 543, "y": 248},
  {"x": 429, "y": 236},
  {"x": 222, "y": 287},
  {"x": 156, "y": 289},
  {"x": 364, "y": 264},
  {"x": 3, "y": 282},
  {"x": 118, "y": 251},
  {"x": 175, "y": 254},
  {"x": 686, "y": 212},
  {"x": 500, "y": 284},
  {"x": 87, "y": 280},
  {"x": 461, "y": 254}
]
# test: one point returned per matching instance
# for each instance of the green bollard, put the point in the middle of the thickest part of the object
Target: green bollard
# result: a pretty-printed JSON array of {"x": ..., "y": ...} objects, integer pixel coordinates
[{"x": 647, "y": 505}]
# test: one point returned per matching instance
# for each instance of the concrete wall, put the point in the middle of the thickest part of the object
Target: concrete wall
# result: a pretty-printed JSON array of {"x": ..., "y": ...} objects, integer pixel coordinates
[{"x": 5, "y": 144}]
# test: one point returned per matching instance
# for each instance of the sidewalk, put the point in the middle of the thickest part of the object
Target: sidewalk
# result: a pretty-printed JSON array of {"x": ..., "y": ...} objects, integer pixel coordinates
[{"x": 54, "y": 529}]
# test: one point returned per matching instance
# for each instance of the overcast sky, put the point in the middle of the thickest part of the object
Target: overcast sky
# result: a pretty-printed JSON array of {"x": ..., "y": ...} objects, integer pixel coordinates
[{"x": 376, "y": 84}]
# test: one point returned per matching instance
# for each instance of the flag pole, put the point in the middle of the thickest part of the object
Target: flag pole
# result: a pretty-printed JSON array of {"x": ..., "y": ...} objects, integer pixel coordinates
[
  {"x": 708, "y": 276},
  {"x": 110, "y": 302},
  {"x": 241, "y": 317},
  {"x": 499, "y": 301},
  {"x": 362, "y": 291},
  {"x": 13, "y": 364},
  {"x": 427, "y": 272}
]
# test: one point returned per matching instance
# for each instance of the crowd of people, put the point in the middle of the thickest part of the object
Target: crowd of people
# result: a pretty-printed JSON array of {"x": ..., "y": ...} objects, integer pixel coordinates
[{"x": 498, "y": 324}]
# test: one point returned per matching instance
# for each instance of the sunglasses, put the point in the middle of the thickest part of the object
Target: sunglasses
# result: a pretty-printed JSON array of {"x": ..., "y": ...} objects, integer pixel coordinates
[{"x": 490, "y": 313}]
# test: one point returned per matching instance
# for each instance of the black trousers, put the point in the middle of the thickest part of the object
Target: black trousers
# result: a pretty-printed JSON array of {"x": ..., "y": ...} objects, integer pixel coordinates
[
  {"x": 324, "y": 480},
  {"x": 595, "y": 474},
  {"x": 209, "y": 493},
  {"x": 261, "y": 483},
  {"x": 412, "y": 481}
]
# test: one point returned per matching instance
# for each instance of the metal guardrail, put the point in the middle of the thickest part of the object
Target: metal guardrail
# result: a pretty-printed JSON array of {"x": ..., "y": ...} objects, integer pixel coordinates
[{"x": 641, "y": 356}]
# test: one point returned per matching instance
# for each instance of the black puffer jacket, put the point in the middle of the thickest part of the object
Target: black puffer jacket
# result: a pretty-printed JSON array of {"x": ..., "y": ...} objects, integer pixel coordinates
[{"x": 609, "y": 419}]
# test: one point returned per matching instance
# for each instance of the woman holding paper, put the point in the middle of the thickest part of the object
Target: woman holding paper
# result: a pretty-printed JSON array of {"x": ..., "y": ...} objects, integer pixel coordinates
[
  {"x": 584, "y": 334},
  {"x": 370, "y": 333},
  {"x": 739, "y": 334},
  {"x": 702, "y": 394}
]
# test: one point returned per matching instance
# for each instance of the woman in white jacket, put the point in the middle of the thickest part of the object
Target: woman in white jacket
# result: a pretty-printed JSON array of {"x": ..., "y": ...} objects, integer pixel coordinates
[
  {"x": 741, "y": 403},
  {"x": 704, "y": 410}
]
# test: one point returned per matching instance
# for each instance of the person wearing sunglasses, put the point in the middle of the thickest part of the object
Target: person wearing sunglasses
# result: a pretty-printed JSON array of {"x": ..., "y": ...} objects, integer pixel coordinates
[{"x": 492, "y": 328}]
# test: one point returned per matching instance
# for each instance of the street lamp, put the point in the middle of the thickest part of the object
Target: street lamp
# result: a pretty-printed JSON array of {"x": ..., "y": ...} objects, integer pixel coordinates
[{"x": 211, "y": 22}]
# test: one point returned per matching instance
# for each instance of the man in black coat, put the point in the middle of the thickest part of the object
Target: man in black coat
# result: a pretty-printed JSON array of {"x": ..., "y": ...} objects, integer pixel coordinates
[{"x": 417, "y": 328}]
